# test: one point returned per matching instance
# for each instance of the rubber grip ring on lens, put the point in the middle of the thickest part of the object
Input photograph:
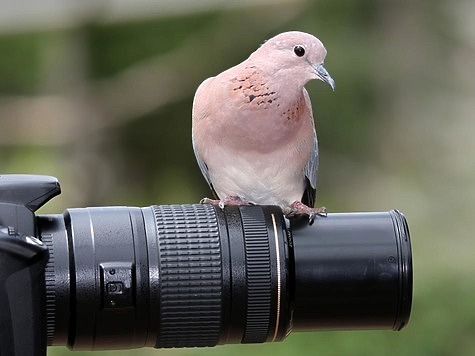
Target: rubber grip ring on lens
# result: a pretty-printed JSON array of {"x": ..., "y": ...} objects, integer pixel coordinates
[
  {"x": 190, "y": 275},
  {"x": 258, "y": 275}
]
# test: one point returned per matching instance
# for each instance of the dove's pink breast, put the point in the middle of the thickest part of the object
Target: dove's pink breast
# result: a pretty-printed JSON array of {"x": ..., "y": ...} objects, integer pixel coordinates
[{"x": 258, "y": 141}]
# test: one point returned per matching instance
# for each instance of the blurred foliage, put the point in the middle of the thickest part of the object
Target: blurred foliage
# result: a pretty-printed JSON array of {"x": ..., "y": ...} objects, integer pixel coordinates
[
  {"x": 20, "y": 62},
  {"x": 114, "y": 48},
  {"x": 106, "y": 107}
]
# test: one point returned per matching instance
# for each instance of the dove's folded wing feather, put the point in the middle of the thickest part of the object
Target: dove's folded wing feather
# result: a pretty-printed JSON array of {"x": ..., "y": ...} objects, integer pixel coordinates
[{"x": 311, "y": 168}]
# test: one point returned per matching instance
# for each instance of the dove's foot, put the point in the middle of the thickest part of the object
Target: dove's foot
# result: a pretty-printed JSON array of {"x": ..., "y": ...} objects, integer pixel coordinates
[
  {"x": 209, "y": 201},
  {"x": 299, "y": 208},
  {"x": 229, "y": 200}
]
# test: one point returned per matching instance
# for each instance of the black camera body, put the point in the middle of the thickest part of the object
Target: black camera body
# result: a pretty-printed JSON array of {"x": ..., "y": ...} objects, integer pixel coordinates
[
  {"x": 22, "y": 264},
  {"x": 190, "y": 275}
]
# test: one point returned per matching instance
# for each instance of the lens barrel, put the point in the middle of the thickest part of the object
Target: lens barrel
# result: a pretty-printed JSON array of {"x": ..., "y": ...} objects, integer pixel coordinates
[
  {"x": 352, "y": 271},
  {"x": 194, "y": 275}
]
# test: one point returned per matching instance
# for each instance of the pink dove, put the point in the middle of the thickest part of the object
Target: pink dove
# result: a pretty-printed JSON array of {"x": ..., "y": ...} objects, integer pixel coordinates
[{"x": 253, "y": 131}]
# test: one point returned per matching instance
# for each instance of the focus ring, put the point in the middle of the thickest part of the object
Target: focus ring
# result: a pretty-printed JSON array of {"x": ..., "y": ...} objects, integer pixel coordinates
[
  {"x": 190, "y": 275},
  {"x": 258, "y": 275}
]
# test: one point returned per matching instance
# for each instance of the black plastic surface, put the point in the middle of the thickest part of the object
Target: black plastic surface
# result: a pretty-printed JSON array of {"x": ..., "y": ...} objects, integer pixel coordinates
[
  {"x": 22, "y": 318},
  {"x": 352, "y": 271},
  {"x": 31, "y": 191},
  {"x": 182, "y": 276},
  {"x": 22, "y": 262},
  {"x": 194, "y": 275}
]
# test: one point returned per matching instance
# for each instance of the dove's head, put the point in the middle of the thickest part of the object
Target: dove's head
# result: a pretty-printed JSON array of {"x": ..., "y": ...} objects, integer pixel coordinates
[{"x": 297, "y": 55}]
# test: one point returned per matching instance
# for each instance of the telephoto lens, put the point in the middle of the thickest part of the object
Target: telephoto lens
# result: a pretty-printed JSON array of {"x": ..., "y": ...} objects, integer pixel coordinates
[{"x": 196, "y": 275}]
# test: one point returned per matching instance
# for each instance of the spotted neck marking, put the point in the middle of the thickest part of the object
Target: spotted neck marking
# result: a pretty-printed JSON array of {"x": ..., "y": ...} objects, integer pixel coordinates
[{"x": 253, "y": 89}]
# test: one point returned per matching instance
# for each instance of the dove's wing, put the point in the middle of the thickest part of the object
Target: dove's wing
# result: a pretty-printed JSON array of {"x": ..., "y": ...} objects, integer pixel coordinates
[
  {"x": 311, "y": 168},
  {"x": 199, "y": 112},
  {"x": 202, "y": 165}
]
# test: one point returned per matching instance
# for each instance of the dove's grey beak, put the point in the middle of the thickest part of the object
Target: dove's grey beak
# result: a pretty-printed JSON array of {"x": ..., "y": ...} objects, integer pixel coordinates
[{"x": 324, "y": 76}]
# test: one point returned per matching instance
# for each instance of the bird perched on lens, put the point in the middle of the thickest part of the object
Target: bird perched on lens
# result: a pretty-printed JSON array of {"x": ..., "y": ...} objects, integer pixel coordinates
[{"x": 253, "y": 130}]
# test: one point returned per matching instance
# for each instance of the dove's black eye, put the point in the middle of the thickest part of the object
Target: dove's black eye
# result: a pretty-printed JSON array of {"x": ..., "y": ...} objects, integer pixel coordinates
[{"x": 299, "y": 51}]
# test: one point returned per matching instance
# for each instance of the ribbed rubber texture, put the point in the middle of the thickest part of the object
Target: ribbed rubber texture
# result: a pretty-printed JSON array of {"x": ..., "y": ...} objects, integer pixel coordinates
[
  {"x": 190, "y": 275},
  {"x": 50, "y": 282},
  {"x": 258, "y": 276}
]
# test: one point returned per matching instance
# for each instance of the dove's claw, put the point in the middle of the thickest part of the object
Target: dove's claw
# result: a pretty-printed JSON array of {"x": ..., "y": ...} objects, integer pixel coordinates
[
  {"x": 209, "y": 201},
  {"x": 217, "y": 202},
  {"x": 311, "y": 218},
  {"x": 229, "y": 200},
  {"x": 321, "y": 211},
  {"x": 299, "y": 208}
]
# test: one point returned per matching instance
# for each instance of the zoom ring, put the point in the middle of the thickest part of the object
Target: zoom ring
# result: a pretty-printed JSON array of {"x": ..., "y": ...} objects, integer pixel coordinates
[
  {"x": 190, "y": 275},
  {"x": 258, "y": 274}
]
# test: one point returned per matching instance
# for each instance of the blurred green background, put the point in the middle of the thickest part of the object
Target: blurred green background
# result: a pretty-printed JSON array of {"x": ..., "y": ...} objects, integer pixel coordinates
[{"x": 99, "y": 94}]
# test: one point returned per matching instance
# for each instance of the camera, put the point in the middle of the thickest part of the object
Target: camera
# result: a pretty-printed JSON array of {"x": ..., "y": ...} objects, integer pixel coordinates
[{"x": 190, "y": 275}]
